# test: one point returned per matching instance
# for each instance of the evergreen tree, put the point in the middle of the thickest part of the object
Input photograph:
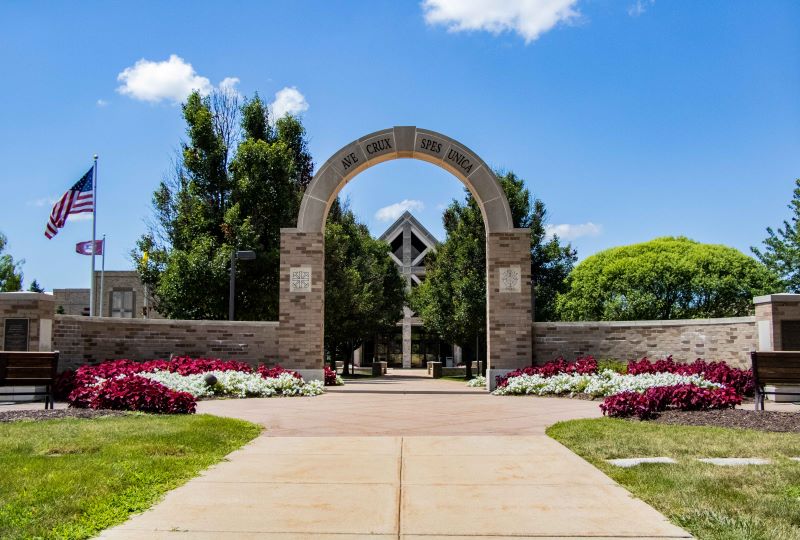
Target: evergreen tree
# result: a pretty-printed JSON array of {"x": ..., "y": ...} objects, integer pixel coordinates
[
  {"x": 35, "y": 287},
  {"x": 782, "y": 248},
  {"x": 452, "y": 299},
  {"x": 364, "y": 292}
]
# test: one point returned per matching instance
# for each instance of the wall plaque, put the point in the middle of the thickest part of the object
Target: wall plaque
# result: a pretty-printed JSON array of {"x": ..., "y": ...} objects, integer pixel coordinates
[
  {"x": 300, "y": 279},
  {"x": 790, "y": 335},
  {"x": 16, "y": 335},
  {"x": 510, "y": 279}
]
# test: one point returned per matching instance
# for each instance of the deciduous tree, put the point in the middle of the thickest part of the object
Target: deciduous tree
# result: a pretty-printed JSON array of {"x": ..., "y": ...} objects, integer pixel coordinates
[
  {"x": 237, "y": 182},
  {"x": 665, "y": 278},
  {"x": 10, "y": 271}
]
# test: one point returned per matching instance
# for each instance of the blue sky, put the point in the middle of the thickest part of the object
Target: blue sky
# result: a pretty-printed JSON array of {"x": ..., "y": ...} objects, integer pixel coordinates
[{"x": 630, "y": 119}]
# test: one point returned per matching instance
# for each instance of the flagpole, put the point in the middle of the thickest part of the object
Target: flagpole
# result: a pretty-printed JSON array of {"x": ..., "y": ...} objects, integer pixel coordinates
[
  {"x": 94, "y": 235},
  {"x": 102, "y": 275}
]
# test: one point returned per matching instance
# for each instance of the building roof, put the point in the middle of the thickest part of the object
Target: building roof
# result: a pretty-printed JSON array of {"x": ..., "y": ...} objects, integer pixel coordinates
[{"x": 397, "y": 226}]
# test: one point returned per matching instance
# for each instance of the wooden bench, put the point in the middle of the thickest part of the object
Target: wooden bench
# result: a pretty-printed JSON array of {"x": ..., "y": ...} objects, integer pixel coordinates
[
  {"x": 775, "y": 368},
  {"x": 29, "y": 369}
]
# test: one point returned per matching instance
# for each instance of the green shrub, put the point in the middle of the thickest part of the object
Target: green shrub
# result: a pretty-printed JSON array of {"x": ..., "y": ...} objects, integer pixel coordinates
[{"x": 612, "y": 364}]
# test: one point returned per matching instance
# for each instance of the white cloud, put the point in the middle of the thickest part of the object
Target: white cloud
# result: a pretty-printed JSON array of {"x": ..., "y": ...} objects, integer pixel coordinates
[
  {"x": 394, "y": 211},
  {"x": 172, "y": 79},
  {"x": 568, "y": 231},
  {"x": 228, "y": 86},
  {"x": 639, "y": 7},
  {"x": 288, "y": 100},
  {"x": 528, "y": 18},
  {"x": 102, "y": 103}
]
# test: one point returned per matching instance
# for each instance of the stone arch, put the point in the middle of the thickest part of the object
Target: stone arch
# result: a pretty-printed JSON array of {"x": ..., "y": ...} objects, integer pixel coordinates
[
  {"x": 509, "y": 317},
  {"x": 398, "y": 143}
]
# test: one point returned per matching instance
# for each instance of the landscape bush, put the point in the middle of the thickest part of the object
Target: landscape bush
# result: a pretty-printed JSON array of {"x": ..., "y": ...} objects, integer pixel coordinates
[{"x": 683, "y": 397}]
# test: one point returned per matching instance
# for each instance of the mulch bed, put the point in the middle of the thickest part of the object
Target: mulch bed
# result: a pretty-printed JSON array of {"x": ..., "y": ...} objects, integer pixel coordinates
[
  {"x": 52, "y": 414},
  {"x": 734, "y": 418}
]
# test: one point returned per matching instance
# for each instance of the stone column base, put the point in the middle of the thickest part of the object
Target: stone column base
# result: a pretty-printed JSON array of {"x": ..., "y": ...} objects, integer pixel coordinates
[
  {"x": 311, "y": 374},
  {"x": 491, "y": 374}
]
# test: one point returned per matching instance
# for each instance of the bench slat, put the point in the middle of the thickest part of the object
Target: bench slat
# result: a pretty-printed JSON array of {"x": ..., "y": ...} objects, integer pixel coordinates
[
  {"x": 776, "y": 367},
  {"x": 27, "y": 373},
  {"x": 25, "y": 368}
]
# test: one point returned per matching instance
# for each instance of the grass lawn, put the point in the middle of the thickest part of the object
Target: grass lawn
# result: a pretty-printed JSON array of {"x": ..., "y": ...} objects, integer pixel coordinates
[
  {"x": 454, "y": 378},
  {"x": 711, "y": 502},
  {"x": 71, "y": 478}
]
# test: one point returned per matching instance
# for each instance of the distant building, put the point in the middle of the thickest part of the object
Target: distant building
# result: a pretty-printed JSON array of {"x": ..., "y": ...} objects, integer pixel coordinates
[
  {"x": 123, "y": 297},
  {"x": 410, "y": 344}
]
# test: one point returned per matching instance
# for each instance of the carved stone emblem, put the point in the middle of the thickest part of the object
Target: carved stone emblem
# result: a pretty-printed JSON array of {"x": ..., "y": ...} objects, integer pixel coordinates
[
  {"x": 510, "y": 279},
  {"x": 300, "y": 279}
]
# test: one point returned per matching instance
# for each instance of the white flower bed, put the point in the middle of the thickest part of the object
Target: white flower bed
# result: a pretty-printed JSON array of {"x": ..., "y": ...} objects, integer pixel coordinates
[
  {"x": 237, "y": 384},
  {"x": 605, "y": 383},
  {"x": 477, "y": 382}
]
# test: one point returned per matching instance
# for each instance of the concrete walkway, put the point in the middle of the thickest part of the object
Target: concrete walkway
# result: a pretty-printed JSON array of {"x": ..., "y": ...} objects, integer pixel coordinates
[{"x": 400, "y": 457}]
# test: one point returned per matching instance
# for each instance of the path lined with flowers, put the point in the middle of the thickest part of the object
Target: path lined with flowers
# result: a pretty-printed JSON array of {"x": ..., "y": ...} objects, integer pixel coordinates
[{"x": 402, "y": 456}]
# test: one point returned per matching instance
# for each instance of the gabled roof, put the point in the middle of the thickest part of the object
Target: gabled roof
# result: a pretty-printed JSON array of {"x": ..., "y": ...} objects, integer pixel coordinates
[{"x": 398, "y": 226}]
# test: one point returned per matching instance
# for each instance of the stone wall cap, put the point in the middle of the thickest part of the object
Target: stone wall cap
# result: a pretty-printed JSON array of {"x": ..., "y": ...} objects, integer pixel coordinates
[
  {"x": 671, "y": 322},
  {"x": 25, "y": 295},
  {"x": 780, "y": 297},
  {"x": 183, "y": 322}
]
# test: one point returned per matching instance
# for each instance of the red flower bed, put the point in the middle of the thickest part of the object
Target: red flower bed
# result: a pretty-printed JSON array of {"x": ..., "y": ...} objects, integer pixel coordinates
[
  {"x": 583, "y": 366},
  {"x": 719, "y": 372},
  {"x": 683, "y": 397},
  {"x": 272, "y": 372},
  {"x": 134, "y": 393},
  {"x": 123, "y": 390},
  {"x": 179, "y": 364},
  {"x": 330, "y": 376}
]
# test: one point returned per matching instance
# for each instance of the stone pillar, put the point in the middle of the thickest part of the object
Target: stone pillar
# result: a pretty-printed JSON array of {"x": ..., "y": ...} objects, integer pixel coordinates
[
  {"x": 30, "y": 316},
  {"x": 508, "y": 303},
  {"x": 778, "y": 322},
  {"x": 302, "y": 302},
  {"x": 407, "y": 314},
  {"x": 26, "y": 324}
]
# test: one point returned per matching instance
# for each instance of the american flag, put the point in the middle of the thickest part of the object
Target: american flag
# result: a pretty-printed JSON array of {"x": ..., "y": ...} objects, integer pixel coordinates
[{"x": 78, "y": 199}]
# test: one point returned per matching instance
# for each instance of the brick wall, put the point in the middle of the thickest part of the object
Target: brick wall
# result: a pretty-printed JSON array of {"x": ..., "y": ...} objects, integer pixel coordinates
[
  {"x": 84, "y": 340},
  {"x": 729, "y": 339}
]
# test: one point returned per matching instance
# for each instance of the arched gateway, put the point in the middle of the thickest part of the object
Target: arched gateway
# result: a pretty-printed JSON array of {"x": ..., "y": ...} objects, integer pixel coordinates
[{"x": 302, "y": 292}]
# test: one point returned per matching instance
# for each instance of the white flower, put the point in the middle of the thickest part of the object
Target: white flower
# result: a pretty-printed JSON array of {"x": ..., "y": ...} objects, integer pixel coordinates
[
  {"x": 477, "y": 382},
  {"x": 237, "y": 384},
  {"x": 605, "y": 383}
]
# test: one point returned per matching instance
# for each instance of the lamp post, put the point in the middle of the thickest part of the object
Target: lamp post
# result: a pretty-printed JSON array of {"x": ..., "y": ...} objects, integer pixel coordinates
[{"x": 242, "y": 256}]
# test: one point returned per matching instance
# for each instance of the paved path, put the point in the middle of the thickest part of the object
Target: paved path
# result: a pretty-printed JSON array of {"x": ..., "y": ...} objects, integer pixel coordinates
[{"x": 400, "y": 457}]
